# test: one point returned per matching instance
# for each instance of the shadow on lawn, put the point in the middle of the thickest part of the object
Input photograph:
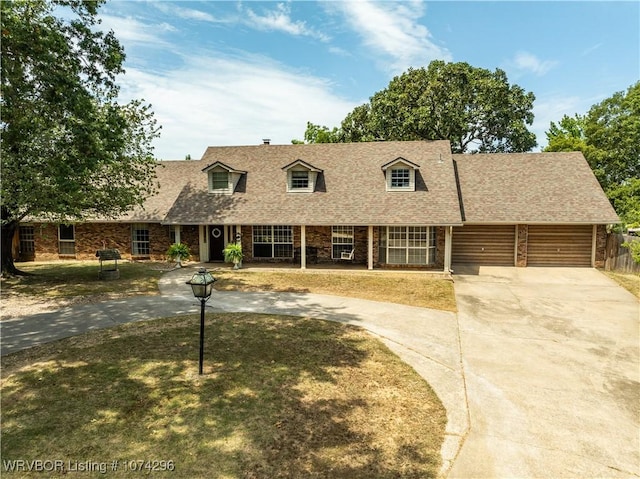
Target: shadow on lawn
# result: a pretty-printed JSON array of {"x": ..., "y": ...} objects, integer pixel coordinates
[{"x": 279, "y": 398}]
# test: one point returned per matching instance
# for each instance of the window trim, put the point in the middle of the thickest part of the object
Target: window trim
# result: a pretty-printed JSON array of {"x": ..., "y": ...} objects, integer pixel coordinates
[
  {"x": 301, "y": 183},
  {"x": 272, "y": 233},
  {"x": 341, "y": 232},
  {"x": 135, "y": 243},
  {"x": 27, "y": 239},
  {"x": 212, "y": 181},
  {"x": 66, "y": 241},
  {"x": 404, "y": 243}
]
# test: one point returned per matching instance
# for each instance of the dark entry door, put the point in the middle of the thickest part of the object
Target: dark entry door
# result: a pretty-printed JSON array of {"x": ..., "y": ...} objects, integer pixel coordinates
[{"x": 216, "y": 242}]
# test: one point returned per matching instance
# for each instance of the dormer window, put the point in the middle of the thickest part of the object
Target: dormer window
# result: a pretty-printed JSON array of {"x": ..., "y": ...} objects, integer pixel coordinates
[
  {"x": 222, "y": 179},
  {"x": 301, "y": 177},
  {"x": 300, "y": 180},
  {"x": 219, "y": 181},
  {"x": 400, "y": 175},
  {"x": 400, "y": 178}
]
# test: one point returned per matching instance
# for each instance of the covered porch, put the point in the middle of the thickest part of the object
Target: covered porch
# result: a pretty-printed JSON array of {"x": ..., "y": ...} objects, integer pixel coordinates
[{"x": 326, "y": 247}]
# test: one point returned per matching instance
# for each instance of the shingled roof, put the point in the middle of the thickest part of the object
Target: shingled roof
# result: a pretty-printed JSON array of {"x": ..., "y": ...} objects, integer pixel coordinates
[
  {"x": 509, "y": 188},
  {"x": 350, "y": 189},
  {"x": 531, "y": 188}
]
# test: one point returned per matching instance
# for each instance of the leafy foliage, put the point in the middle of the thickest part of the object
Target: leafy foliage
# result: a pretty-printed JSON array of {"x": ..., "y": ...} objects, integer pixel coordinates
[
  {"x": 69, "y": 149},
  {"x": 609, "y": 137},
  {"x": 634, "y": 248},
  {"x": 233, "y": 253},
  {"x": 474, "y": 108},
  {"x": 179, "y": 251}
]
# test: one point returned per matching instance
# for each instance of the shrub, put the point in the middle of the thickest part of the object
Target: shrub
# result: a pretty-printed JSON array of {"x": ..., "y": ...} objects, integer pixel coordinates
[
  {"x": 179, "y": 252},
  {"x": 634, "y": 247}
]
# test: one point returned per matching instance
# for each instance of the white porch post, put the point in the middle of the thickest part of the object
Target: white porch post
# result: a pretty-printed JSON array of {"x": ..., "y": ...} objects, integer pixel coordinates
[
  {"x": 370, "y": 247},
  {"x": 204, "y": 246},
  {"x": 303, "y": 247},
  {"x": 176, "y": 228},
  {"x": 448, "y": 234}
]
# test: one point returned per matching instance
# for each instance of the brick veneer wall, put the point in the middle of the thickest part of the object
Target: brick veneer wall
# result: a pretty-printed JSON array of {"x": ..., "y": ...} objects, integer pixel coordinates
[
  {"x": 190, "y": 235},
  {"x": 521, "y": 251},
  {"x": 601, "y": 246},
  {"x": 90, "y": 237}
]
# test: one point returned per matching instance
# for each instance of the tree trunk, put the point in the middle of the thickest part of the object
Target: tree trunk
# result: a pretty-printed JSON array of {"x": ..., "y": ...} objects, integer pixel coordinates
[{"x": 6, "y": 252}]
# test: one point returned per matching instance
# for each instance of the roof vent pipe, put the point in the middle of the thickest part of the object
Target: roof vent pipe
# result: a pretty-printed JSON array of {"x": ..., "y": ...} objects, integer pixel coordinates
[{"x": 266, "y": 141}]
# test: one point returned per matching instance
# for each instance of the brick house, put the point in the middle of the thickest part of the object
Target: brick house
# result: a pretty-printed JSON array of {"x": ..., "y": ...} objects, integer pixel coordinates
[{"x": 381, "y": 204}]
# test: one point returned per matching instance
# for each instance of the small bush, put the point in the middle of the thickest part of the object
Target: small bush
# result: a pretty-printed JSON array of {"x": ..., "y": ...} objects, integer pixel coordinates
[
  {"x": 179, "y": 252},
  {"x": 634, "y": 247}
]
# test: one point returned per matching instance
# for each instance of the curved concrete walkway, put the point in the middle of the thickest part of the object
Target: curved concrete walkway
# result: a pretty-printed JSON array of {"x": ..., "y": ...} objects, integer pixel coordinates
[
  {"x": 539, "y": 371},
  {"x": 426, "y": 339}
]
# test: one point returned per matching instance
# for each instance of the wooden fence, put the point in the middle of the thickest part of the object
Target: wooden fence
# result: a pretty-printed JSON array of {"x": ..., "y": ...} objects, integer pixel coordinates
[{"x": 618, "y": 257}]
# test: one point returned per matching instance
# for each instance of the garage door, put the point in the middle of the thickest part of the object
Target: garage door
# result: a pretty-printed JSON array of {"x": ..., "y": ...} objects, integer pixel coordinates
[
  {"x": 485, "y": 244},
  {"x": 559, "y": 245}
]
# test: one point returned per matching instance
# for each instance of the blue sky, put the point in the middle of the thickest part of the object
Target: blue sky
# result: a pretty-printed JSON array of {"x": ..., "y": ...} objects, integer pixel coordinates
[{"x": 233, "y": 73}]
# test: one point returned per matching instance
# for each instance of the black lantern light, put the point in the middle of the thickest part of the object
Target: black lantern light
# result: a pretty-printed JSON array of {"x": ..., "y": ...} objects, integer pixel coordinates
[{"x": 202, "y": 285}]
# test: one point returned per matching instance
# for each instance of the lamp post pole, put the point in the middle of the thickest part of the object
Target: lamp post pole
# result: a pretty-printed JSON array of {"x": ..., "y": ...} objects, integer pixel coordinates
[
  {"x": 202, "y": 301},
  {"x": 202, "y": 285}
]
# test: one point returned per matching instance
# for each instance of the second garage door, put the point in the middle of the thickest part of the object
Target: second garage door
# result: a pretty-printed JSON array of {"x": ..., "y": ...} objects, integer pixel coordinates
[
  {"x": 559, "y": 245},
  {"x": 484, "y": 244}
]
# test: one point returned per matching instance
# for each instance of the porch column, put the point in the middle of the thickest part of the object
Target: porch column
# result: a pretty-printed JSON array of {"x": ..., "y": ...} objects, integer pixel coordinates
[
  {"x": 448, "y": 234},
  {"x": 203, "y": 246},
  {"x": 370, "y": 247},
  {"x": 176, "y": 228},
  {"x": 303, "y": 247}
]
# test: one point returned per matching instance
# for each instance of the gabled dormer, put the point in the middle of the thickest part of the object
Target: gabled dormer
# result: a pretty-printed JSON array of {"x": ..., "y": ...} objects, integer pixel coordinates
[
  {"x": 400, "y": 175},
  {"x": 301, "y": 177},
  {"x": 222, "y": 179}
]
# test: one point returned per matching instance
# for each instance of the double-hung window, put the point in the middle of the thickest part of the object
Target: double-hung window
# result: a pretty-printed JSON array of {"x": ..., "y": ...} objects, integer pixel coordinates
[
  {"x": 408, "y": 245},
  {"x": 400, "y": 178},
  {"x": 272, "y": 241},
  {"x": 140, "y": 242},
  {"x": 341, "y": 240},
  {"x": 66, "y": 240},
  {"x": 299, "y": 180},
  {"x": 219, "y": 181},
  {"x": 27, "y": 240}
]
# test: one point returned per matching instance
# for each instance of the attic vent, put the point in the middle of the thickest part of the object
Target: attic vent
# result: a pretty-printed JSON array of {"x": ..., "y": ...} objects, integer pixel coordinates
[{"x": 266, "y": 141}]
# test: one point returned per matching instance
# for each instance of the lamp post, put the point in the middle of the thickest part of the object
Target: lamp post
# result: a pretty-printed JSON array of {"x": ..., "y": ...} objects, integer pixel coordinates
[{"x": 202, "y": 285}]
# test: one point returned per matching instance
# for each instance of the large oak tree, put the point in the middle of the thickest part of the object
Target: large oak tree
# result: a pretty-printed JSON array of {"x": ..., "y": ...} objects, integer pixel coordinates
[
  {"x": 609, "y": 137},
  {"x": 474, "y": 108},
  {"x": 69, "y": 149}
]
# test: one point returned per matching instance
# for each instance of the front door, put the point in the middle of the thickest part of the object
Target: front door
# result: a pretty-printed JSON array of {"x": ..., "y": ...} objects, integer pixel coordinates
[{"x": 216, "y": 242}]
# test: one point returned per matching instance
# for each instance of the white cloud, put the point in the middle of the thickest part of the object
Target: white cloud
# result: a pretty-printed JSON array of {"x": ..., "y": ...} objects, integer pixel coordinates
[
  {"x": 553, "y": 108},
  {"x": 280, "y": 20},
  {"x": 130, "y": 30},
  {"x": 186, "y": 13},
  {"x": 526, "y": 61},
  {"x": 391, "y": 29},
  {"x": 218, "y": 100}
]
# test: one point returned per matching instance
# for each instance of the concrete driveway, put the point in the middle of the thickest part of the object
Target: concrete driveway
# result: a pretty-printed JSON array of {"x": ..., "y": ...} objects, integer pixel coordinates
[{"x": 552, "y": 369}]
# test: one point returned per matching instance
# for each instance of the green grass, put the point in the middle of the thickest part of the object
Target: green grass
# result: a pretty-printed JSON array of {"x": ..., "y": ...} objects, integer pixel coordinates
[
  {"x": 68, "y": 279},
  {"x": 281, "y": 398}
]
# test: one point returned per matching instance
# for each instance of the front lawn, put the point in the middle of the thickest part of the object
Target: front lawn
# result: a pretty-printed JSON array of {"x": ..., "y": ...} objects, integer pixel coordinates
[
  {"x": 281, "y": 397},
  {"x": 414, "y": 289},
  {"x": 68, "y": 279}
]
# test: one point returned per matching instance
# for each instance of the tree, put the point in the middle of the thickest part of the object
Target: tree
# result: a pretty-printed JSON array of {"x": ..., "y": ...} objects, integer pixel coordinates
[
  {"x": 69, "y": 149},
  {"x": 612, "y": 127},
  {"x": 474, "y": 108},
  {"x": 321, "y": 134},
  {"x": 609, "y": 137}
]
